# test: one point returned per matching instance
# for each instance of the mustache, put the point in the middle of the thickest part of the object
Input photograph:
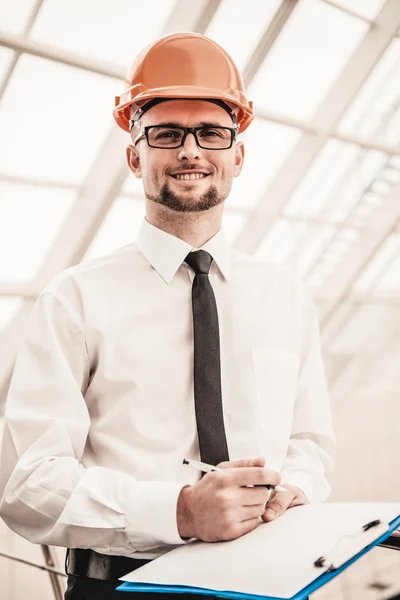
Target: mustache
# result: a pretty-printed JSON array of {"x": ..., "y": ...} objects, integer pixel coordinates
[{"x": 188, "y": 167}]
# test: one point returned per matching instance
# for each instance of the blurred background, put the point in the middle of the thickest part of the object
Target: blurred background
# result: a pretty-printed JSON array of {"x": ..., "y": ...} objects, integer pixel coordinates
[{"x": 320, "y": 190}]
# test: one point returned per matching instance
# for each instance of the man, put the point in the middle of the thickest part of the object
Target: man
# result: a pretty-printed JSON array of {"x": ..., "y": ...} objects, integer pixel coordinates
[{"x": 172, "y": 347}]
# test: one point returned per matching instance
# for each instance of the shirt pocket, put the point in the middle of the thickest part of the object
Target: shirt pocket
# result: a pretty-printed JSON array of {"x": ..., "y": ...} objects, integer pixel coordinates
[{"x": 275, "y": 374}]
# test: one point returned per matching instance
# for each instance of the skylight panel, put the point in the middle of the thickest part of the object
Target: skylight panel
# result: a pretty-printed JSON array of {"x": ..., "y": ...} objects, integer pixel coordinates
[
  {"x": 337, "y": 181},
  {"x": 390, "y": 281},
  {"x": 386, "y": 255},
  {"x": 310, "y": 247},
  {"x": 56, "y": 132},
  {"x": 307, "y": 58},
  {"x": 119, "y": 228},
  {"x": 280, "y": 240},
  {"x": 318, "y": 185},
  {"x": 357, "y": 331},
  {"x": 380, "y": 92},
  {"x": 266, "y": 147},
  {"x": 113, "y": 31},
  {"x": 30, "y": 218},
  {"x": 14, "y": 15},
  {"x": 239, "y": 31},
  {"x": 336, "y": 251},
  {"x": 6, "y": 57},
  {"x": 298, "y": 244},
  {"x": 347, "y": 198},
  {"x": 365, "y": 8}
]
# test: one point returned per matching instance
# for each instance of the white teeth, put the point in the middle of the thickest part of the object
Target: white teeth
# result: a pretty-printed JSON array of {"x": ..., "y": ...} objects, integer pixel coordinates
[{"x": 189, "y": 176}]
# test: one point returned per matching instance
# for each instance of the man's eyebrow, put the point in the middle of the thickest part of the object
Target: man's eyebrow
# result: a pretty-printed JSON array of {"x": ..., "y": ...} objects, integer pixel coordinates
[{"x": 201, "y": 124}]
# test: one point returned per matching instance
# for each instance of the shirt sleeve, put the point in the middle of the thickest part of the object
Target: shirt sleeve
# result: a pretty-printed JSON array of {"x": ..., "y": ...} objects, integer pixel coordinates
[
  {"x": 46, "y": 493},
  {"x": 311, "y": 447}
]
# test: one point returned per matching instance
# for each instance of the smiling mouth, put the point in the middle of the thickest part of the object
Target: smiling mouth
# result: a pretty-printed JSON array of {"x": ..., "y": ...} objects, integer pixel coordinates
[{"x": 190, "y": 176}]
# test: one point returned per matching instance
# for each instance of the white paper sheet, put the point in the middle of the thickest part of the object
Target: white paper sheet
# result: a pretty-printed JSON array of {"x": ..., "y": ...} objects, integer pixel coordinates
[{"x": 276, "y": 559}]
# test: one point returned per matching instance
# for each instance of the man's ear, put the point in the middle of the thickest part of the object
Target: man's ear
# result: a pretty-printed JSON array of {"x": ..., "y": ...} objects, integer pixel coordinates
[
  {"x": 133, "y": 159},
  {"x": 239, "y": 158}
]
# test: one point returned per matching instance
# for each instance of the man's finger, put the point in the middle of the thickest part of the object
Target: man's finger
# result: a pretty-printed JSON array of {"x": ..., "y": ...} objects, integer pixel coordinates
[
  {"x": 278, "y": 505},
  {"x": 298, "y": 501},
  {"x": 251, "y": 512},
  {"x": 244, "y": 462},
  {"x": 254, "y": 476}
]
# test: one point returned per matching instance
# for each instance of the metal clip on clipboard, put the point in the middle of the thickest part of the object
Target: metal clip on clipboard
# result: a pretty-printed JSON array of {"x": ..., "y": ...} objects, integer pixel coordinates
[{"x": 352, "y": 544}]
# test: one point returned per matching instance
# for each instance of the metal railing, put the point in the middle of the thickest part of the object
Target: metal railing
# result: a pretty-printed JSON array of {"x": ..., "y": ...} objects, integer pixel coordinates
[{"x": 50, "y": 567}]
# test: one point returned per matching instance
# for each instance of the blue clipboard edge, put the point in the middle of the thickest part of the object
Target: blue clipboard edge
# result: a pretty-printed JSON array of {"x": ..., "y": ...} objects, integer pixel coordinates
[{"x": 301, "y": 595}]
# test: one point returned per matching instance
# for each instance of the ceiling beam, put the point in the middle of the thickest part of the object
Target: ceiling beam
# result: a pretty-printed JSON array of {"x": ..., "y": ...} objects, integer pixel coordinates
[
  {"x": 366, "y": 143},
  {"x": 28, "y": 28},
  {"x": 268, "y": 39},
  {"x": 193, "y": 16},
  {"x": 347, "y": 11},
  {"x": 17, "y": 290},
  {"x": 24, "y": 45},
  {"x": 327, "y": 118}
]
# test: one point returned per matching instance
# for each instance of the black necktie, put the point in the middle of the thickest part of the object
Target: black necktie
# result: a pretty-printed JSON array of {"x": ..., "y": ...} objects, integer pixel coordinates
[{"x": 207, "y": 367}]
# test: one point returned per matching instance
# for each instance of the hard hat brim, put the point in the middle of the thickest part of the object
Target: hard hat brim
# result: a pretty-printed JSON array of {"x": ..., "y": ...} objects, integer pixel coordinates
[{"x": 134, "y": 98}]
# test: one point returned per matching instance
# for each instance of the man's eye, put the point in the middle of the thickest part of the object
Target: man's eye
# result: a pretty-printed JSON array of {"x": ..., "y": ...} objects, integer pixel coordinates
[
  {"x": 168, "y": 134},
  {"x": 210, "y": 133}
]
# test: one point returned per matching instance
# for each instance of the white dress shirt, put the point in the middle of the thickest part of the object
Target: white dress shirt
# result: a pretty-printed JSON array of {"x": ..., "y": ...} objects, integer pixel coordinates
[{"x": 100, "y": 412}]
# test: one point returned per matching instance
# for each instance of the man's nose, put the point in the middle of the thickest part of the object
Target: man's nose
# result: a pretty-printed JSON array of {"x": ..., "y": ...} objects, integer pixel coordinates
[{"x": 190, "y": 150}]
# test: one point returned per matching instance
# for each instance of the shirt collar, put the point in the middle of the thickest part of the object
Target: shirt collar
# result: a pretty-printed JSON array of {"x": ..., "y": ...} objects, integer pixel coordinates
[{"x": 166, "y": 253}]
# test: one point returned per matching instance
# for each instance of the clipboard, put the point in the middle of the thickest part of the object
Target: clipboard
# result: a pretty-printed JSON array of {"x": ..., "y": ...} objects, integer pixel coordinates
[{"x": 357, "y": 546}]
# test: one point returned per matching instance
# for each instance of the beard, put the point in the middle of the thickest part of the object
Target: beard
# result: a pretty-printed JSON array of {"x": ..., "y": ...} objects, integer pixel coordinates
[{"x": 192, "y": 204}]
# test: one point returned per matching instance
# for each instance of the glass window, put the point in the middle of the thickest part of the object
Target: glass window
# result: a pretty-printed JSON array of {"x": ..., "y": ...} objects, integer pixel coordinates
[
  {"x": 113, "y": 31},
  {"x": 15, "y": 15},
  {"x": 387, "y": 255},
  {"x": 368, "y": 113},
  {"x": 355, "y": 336},
  {"x": 390, "y": 280},
  {"x": 30, "y": 218},
  {"x": 296, "y": 243},
  {"x": 332, "y": 257},
  {"x": 6, "y": 56},
  {"x": 56, "y": 132},
  {"x": 239, "y": 31},
  {"x": 266, "y": 147},
  {"x": 306, "y": 59},
  {"x": 365, "y": 8},
  {"x": 337, "y": 181},
  {"x": 120, "y": 227}
]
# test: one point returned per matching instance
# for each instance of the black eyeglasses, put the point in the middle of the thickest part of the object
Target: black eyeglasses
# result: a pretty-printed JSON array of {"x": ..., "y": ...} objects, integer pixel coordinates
[{"x": 174, "y": 136}]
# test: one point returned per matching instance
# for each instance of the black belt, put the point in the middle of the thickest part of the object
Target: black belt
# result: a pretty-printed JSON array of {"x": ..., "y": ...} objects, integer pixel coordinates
[{"x": 88, "y": 563}]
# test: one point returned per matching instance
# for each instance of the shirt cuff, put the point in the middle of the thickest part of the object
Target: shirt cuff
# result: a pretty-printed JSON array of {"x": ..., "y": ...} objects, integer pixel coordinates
[
  {"x": 151, "y": 519},
  {"x": 314, "y": 491}
]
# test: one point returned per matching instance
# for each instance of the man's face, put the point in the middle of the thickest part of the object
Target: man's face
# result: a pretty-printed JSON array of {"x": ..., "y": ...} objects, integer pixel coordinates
[{"x": 190, "y": 178}]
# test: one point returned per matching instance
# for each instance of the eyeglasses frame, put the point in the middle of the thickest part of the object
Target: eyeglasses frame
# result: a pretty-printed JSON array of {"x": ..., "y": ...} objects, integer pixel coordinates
[{"x": 145, "y": 134}]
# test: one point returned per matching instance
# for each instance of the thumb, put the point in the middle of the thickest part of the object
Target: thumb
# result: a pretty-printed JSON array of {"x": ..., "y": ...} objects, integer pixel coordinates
[
  {"x": 278, "y": 505},
  {"x": 244, "y": 462}
]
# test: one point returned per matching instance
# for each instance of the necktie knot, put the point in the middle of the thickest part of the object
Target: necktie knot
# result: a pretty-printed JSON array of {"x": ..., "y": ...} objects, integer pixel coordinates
[{"x": 200, "y": 261}]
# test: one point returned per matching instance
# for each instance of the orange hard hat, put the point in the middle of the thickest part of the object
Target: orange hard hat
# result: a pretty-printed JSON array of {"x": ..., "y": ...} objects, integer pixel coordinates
[{"x": 183, "y": 65}]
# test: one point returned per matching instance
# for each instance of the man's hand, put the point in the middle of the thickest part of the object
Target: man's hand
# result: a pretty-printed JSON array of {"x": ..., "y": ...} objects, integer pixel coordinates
[
  {"x": 221, "y": 506},
  {"x": 281, "y": 501}
]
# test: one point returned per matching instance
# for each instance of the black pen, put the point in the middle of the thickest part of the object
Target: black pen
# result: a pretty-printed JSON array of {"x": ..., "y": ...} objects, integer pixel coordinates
[{"x": 205, "y": 468}]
